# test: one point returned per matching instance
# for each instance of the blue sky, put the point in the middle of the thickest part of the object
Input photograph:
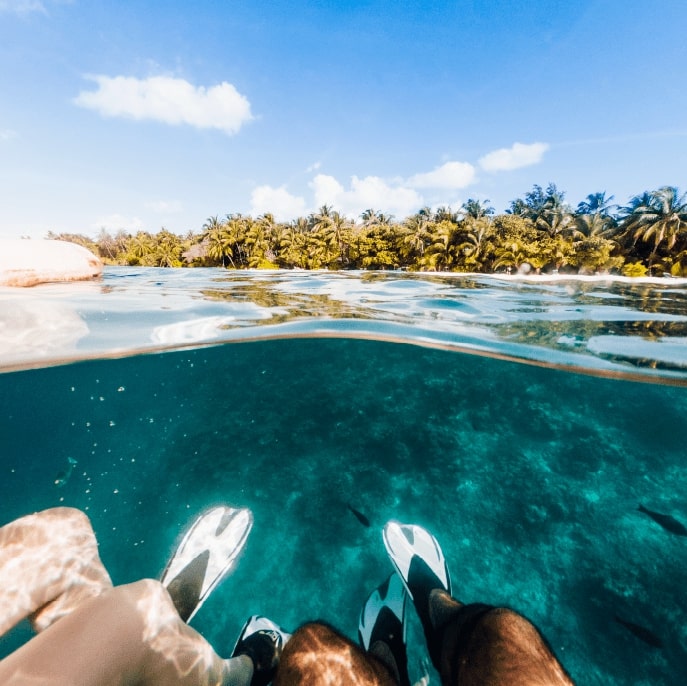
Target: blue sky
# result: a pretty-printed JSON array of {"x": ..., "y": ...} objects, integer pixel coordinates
[{"x": 139, "y": 115}]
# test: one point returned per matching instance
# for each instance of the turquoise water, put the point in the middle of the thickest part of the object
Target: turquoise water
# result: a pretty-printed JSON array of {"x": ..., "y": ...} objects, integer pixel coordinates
[{"x": 529, "y": 475}]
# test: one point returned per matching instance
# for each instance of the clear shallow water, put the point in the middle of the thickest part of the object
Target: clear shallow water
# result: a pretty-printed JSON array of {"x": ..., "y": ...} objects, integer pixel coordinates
[
  {"x": 529, "y": 476},
  {"x": 622, "y": 327}
]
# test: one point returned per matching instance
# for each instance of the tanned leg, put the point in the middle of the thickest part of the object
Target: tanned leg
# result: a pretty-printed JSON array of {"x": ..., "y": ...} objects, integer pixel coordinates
[
  {"x": 318, "y": 655},
  {"x": 481, "y": 645}
]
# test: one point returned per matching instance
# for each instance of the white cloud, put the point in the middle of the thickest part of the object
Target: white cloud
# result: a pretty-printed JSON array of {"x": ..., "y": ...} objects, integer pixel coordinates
[
  {"x": 165, "y": 206},
  {"x": 7, "y": 135},
  {"x": 282, "y": 204},
  {"x": 369, "y": 192},
  {"x": 451, "y": 175},
  {"x": 399, "y": 197},
  {"x": 117, "y": 222},
  {"x": 327, "y": 189},
  {"x": 169, "y": 100},
  {"x": 518, "y": 155},
  {"x": 313, "y": 167}
]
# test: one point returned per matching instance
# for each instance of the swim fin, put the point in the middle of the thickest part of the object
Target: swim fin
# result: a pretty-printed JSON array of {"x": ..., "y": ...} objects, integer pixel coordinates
[
  {"x": 206, "y": 554},
  {"x": 383, "y": 621}
]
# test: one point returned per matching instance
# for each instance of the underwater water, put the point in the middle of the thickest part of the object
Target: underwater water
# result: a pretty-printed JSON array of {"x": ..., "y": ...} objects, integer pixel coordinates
[{"x": 521, "y": 422}]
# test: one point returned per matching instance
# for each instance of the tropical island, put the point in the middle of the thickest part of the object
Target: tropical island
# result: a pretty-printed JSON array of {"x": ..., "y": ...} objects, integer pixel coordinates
[{"x": 539, "y": 232}]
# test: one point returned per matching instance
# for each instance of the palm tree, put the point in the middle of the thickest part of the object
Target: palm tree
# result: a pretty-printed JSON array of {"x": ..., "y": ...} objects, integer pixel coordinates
[
  {"x": 596, "y": 204},
  {"x": 369, "y": 217},
  {"x": 316, "y": 254},
  {"x": 168, "y": 249},
  {"x": 292, "y": 245},
  {"x": 237, "y": 228},
  {"x": 440, "y": 253},
  {"x": 372, "y": 217},
  {"x": 321, "y": 219},
  {"x": 140, "y": 248},
  {"x": 340, "y": 233},
  {"x": 477, "y": 209},
  {"x": 256, "y": 241},
  {"x": 539, "y": 201},
  {"x": 596, "y": 225},
  {"x": 445, "y": 214},
  {"x": 384, "y": 219},
  {"x": 475, "y": 245},
  {"x": 510, "y": 255},
  {"x": 218, "y": 241},
  {"x": 555, "y": 222},
  {"x": 659, "y": 216},
  {"x": 416, "y": 235}
]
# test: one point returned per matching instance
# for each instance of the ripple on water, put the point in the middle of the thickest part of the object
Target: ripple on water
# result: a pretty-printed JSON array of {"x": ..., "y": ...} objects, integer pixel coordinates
[{"x": 621, "y": 326}]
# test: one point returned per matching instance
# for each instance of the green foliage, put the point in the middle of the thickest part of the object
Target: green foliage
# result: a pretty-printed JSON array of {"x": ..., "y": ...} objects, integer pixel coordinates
[
  {"x": 538, "y": 202},
  {"x": 539, "y": 232},
  {"x": 267, "y": 264},
  {"x": 634, "y": 269},
  {"x": 593, "y": 255}
]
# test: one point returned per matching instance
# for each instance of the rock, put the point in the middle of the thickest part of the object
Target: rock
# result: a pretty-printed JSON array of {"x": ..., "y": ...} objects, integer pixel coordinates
[{"x": 30, "y": 262}]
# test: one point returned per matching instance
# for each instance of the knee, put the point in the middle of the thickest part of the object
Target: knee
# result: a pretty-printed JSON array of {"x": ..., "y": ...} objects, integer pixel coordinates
[
  {"x": 57, "y": 526},
  {"x": 150, "y": 596},
  {"x": 508, "y": 625},
  {"x": 63, "y": 513},
  {"x": 70, "y": 520}
]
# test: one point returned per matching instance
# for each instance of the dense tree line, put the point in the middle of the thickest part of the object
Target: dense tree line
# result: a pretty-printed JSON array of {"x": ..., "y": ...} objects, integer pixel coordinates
[{"x": 538, "y": 232}]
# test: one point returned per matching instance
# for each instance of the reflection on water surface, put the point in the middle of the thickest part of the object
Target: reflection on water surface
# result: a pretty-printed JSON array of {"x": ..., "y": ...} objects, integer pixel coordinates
[{"x": 637, "y": 327}]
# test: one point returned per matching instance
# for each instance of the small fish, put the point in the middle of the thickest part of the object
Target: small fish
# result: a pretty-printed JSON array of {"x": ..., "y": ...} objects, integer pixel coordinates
[
  {"x": 666, "y": 521},
  {"x": 649, "y": 637},
  {"x": 359, "y": 516},
  {"x": 63, "y": 475}
]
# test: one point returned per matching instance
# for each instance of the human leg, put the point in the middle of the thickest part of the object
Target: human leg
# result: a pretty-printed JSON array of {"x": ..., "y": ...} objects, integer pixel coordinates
[
  {"x": 480, "y": 644},
  {"x": 318, "y": 655},
  {"x": 470, "y": 645},
  {"x": 129, "y": 634},
  {"x": 49, "y": 565}
]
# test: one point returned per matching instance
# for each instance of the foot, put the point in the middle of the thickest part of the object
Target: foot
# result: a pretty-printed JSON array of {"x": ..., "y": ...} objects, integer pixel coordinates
[
  {"x": 420, "y": 564},
  {"x": 207, "y": 553},
  {"x": 382, "y": 627},
  {"x": 262, "y": 640}
]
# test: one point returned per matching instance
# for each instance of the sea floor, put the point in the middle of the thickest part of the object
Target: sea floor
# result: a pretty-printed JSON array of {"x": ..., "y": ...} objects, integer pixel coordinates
[{"x": 530, "y": 478}]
